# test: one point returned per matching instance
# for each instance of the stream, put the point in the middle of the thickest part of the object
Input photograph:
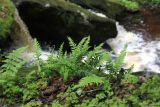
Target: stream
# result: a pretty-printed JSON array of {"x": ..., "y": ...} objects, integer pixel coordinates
[{"x": 141, "y": 33}]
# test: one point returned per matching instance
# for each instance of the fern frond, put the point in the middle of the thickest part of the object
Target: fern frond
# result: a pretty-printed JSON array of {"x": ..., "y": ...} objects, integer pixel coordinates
[
  {"x": 13, "y": 61},
  {"x": 80, "y": 50},
  {"x": 60, "y": 50},
  {"x": 120, "y": 59},
  {"x": 89, "y": 80},
  {"x": 36, "y": 49},
  {"x": 71, "y": 43}
]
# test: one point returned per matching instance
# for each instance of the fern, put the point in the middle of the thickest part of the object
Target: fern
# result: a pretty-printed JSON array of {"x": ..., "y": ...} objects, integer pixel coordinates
[
  {"x": 37, "y": 53},
  {"x": 71, "y": 64},
  {"x": 114, "y": 66},
  {"x": 13, "y": 61},
  {"x": 8, "y": 75},
  {"x": 80, "y": 50},
  {"x": 36, "y": 49},
  {"x": 90, "y": 80},
  {"x": 120, "y": 59},
  {"x": 68, "y": 64}
]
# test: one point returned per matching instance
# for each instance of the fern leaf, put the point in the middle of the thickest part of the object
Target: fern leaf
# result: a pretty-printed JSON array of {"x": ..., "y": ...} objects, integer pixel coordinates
[
  {"x": 120, "y": 59},
  {"x": 36, "y": 49},
  {"x": 89, "y": 80},
  {"x": 60, "y": 50},
  {"x": 71, "y": 43},
  {"x": 13, "y": 61}
]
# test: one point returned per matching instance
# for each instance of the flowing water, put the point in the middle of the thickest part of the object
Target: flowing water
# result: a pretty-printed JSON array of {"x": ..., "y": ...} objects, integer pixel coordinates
[{"x": 141, "y": 32}]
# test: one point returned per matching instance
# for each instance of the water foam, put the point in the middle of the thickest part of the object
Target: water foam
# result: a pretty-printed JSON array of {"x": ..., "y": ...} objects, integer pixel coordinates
[{"x": 144, "y": 55}]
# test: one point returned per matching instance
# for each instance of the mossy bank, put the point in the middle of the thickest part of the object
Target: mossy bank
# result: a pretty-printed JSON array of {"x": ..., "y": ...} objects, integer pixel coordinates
[{"x": 6, "y": 17}]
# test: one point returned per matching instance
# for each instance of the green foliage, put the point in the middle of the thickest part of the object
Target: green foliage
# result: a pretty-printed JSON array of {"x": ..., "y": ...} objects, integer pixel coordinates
[
  {"x": 130, "y": 5},
  {"x": 37, "y": 53},
  {"x": 36, "y": 49},
  {"x": 6, "y": 17},
  {"x": 33, "y": 104},
  {"x": 16, "y": 83},
  {"x": 81, "y": 62},
  {"x": 151, "y": 88},
  {"x": 86, "y": 83},
  {"x": 116, "y": 102},
  {"x": 130, "y": 79},
  {"x": 113, "y": 67},
  {"x": 8, "y": 73},
  {"x": 73, "y": 64},
  {"x": 13, "y": 62},
  {"x": 56, "y": 104},
  {"x": 69, "y": 96},
  {"x": 149, "y": 2},
  {"x": 90, "y": 80}
]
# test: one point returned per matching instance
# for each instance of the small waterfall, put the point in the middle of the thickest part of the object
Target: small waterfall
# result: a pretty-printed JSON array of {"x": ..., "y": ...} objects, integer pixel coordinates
[{"x": 144, "y": 55}]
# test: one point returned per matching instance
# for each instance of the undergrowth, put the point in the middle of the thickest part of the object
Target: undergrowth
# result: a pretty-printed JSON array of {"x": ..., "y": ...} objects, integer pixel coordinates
[{"x": 80, "y": 78}]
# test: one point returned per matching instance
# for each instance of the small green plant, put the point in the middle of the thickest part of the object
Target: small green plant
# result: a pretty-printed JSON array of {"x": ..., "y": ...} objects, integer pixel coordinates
[
  {"x": 33, "y": 104},
  {"x": 37, "y": 53},
  {"x": 130, "y": 5},
  {"x": 56, "y": 104},
  {"x": 71, "y": 64},
  {"x": 90, "y": 80},
  {"x": 151, "y": 88},
  {"x": 130, "y": 79},
  {"x": 15, "y": 82}
]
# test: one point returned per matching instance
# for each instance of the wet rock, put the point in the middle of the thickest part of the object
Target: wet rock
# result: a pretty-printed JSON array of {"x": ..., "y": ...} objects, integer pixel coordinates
[
  {"x": 13, "y": 31},
  {"x": 19, "y": 32},
  {"x": 109, "y": 8},
  {"x": 52, "y": 21}
]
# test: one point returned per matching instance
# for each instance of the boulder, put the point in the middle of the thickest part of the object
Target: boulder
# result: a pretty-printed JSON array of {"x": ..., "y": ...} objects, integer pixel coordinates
[
  {"x": 19, "y": 33},
  {"x": 52, "y": 21},
  {"x": 13, "y": 32},
  {"x": 110, "y": 8}
]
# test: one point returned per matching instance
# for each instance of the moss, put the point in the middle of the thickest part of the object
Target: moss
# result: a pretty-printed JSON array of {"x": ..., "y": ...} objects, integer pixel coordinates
[
  {"x": 128, "y": 4},
  {"x": 110, "y": 8},
  {"x": 6, "y": 17},
  {"x": 66, "y": 5}
]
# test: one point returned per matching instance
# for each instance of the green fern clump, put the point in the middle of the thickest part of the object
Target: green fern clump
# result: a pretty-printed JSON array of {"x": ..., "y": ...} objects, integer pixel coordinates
[
  {"x": 13, "y": 61},
  {"x": 82, "y": 62},
  {"x": 82, "y": 70},
  {"x": 16, "y": 81},
  {"x": 8, "y": 73},
  {"x": 70, "y": 63}
]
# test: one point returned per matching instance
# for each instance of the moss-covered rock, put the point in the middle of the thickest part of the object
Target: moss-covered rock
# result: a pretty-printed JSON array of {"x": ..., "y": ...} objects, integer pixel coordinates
[
  {"x": 19, "y": 33},
  {"x": 6, "y": 17},
  {"x": 111, "y": 8},
  {"x": 54, "y": 20}
]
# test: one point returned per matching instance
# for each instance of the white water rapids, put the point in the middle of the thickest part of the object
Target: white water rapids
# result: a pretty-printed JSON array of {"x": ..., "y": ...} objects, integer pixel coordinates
[{"x": 144, "y": 55}]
